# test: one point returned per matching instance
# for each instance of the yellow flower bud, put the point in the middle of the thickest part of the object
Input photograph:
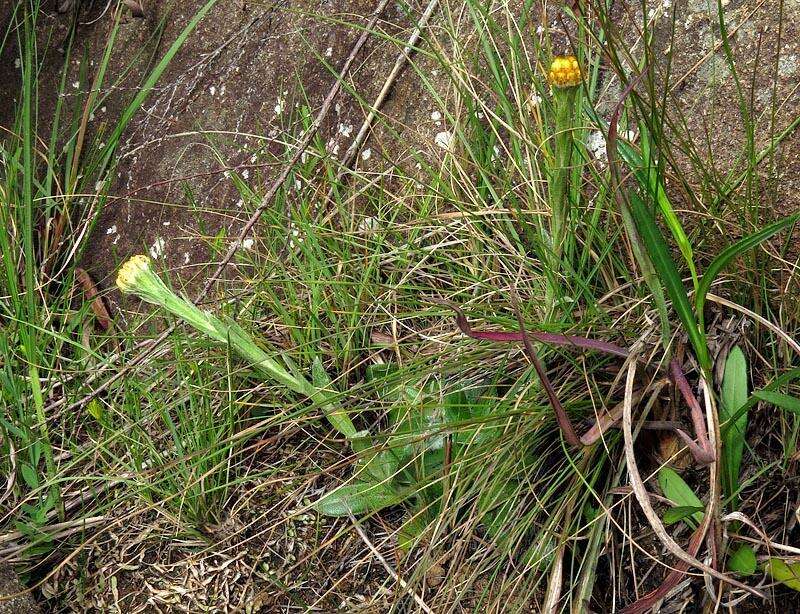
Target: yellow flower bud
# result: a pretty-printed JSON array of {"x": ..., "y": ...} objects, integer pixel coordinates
[{"x": 565, "y": 72}]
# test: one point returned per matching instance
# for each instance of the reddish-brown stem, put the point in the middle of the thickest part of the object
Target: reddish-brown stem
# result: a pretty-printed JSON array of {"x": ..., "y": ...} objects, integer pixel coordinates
[
  {"x": 703, "y": 452},
  {"x": 562, "y": 418}
]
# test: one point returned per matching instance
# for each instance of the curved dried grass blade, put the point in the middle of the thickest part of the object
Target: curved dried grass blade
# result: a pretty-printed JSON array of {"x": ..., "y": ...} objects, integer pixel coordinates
[{"x": 94, "y": 298}]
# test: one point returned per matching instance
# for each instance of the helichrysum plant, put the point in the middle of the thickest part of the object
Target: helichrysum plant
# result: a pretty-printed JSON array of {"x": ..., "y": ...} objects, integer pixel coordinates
[
  {"x": 137, "y": 277},
  {"x": 565, "y": 79}
]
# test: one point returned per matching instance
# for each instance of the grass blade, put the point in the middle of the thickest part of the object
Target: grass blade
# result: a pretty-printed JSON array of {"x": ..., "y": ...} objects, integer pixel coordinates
[
  {"x": 731, "y": 252},
  {"x": 149, "y": 84},
  {"x": 647, "y": 177},
  {"x": 665, "y": 267},
  {"x": 778, "y": 399}
]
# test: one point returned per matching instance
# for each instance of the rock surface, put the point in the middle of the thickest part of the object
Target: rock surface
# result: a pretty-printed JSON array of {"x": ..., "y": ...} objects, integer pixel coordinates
[{"x": 10, "y": 585}]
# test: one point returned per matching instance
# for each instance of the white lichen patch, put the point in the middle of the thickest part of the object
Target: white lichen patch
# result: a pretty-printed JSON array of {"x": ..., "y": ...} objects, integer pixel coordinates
[
  {"x": 248, "y": 243},
  {"x": 332, "y": 147},
  {"x": 596, "y": 144},
  {"x": 787, "y": 65},
  {"x": 366, "y": 154},
  {"x": 444, "y": 139},
  {"x": 534, "y": 100},
  {"x": 345, "y": 130},
  {"x": 158, "y": 248},
  {"x": 436, "y": 116},
  {"x": 280, "y": 105},
  {"x": 295, "y": 236},
  {"x": 111, "y": 230},
  {"x": 369, "y": 225}
]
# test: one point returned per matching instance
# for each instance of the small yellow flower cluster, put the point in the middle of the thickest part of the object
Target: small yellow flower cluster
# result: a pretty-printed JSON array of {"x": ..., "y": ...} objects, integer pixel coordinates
[
  {"x": 565, "y": 72},
  {"x": 128, "y": 273}
]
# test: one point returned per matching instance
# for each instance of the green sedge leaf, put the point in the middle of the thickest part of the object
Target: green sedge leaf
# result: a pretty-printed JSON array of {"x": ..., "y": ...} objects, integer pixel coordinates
[
  {"x": 784, "y": 401},
  {"x": 659, "y": 254},
  {"x": 734, "y": 396}
]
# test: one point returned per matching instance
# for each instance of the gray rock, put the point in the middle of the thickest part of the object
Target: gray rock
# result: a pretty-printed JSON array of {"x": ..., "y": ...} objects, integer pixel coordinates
[{"x": 10, "y": 585}]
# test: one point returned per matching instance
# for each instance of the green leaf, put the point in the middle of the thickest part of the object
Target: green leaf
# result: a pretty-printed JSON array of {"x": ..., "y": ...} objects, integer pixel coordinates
[
  {"x": 358, "y": 498},
  {"x": 96, "y": 410},
  {"x": 29, "y": 475},
  {"x": 784, "y": 401},
  {"x": 377, "y": 465},
  {"x": 730, "y": 253},
  {"x": 743, "y": 560},
  {"x": 648, "y": 179},
  {"x": 771, "y": 396},
  {"x": 678, "y": 491},
  {"x": 497, "y": 504},
  {"x": 786, "y": 574},
  {"x": 411, "y": 531},
  {"x": 676, "y": 514},
  {"x": 734, "y": 396},
  {"x": 659, "y": 254}
]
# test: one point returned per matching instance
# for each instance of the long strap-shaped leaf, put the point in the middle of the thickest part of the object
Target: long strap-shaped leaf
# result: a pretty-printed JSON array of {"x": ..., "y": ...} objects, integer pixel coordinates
[
  {"x": 665, "y": 267},
  {"x": 730, "y": 253}
]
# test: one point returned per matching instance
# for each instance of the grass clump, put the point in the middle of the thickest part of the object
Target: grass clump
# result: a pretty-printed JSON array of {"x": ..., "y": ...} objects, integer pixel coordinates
[{"x": 493, "y": 473}]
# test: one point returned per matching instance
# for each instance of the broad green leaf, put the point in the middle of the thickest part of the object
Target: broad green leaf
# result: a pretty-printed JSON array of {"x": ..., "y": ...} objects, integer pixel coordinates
[
  {"x": 786, "y": 574},
  {"x": 96, "y": 410},
  {"x": 676, "y": 514},
  {"x": 358, "y": 498},
  {"x": 734, "y": 396},
  {"x": 743, "y": 560},
  {"x": 659, "y": 254},
  {"x": 678, "y": 491},
  {"x": 730, "y": 253},
  {"x": 377, "y": 465},
  {"x": 768, "y": 394},
  {"x": 784, "y": 401}
]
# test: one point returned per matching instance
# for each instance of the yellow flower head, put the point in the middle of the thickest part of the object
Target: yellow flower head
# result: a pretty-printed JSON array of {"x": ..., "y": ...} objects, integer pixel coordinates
[
  {"x": 137, "y": 277},
  {"x": 565, "y": 72},
  {"x": 130, "y": 273}
]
